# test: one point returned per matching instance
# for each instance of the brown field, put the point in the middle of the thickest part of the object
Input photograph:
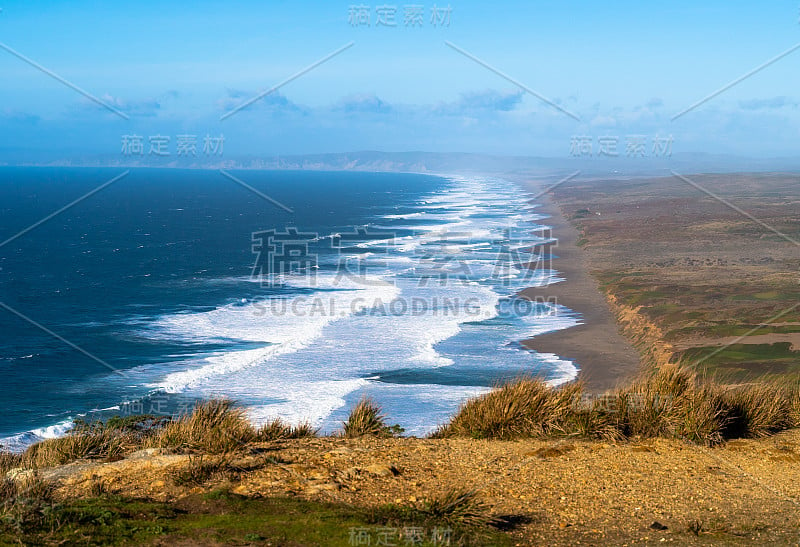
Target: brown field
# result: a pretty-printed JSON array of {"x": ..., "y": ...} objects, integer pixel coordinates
[{"x": 707, "y": 280}]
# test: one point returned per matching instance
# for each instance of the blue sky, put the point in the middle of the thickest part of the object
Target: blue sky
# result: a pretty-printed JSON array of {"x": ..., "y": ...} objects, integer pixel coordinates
[{"x": 624, "y": 68}]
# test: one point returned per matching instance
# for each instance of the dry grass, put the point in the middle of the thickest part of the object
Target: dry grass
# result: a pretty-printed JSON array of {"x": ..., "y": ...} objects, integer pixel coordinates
[
  {"x": 366, "y": 418},
  {"x": 77, "y": 445},
  {"x": 9, "y": 461},
  {"x": 278, "y": 429},
  {"x": 218, "y": 426},
  {"x": 526, "y": 407},
  {"x": 98, "y": 440},
  {"x": 794, "y": 405},
  {"x": 214, "y": 427},
  {"x": 669, "y": 402},
  {"x": 457, "y": 507},
  {"x": 759, "y": 410}
]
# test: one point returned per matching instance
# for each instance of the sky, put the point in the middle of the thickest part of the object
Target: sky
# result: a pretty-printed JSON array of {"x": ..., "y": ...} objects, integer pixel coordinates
[{"x": 517, "y": 78}]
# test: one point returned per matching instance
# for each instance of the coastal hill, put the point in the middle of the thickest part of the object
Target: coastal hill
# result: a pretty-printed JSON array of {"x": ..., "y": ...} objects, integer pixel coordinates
[{"x": 520, "y": 167}]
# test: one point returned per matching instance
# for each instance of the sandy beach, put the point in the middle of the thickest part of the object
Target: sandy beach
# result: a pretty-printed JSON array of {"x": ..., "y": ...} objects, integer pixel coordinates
[{"x": 604, "y": 356}]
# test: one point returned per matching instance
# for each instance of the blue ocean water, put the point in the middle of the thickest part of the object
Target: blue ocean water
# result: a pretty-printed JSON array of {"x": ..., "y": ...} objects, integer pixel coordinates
[{"x": 171, "y": 285}]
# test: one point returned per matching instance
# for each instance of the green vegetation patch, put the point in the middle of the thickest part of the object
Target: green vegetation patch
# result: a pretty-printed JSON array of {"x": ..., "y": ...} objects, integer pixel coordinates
[
  {"x": 225, "y": 518},
  {"x": 741, "y": 353},
  {"x": 723, "y": 330},
  {"x": 766, "y": 296}
]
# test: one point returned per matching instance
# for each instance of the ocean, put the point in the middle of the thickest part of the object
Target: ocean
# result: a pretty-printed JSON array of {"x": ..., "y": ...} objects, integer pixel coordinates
[{"x": 294, "y": 293}]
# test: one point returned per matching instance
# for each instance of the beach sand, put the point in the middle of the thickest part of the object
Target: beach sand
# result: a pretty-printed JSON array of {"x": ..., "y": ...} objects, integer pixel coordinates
[{"x": 604, "y": 356}]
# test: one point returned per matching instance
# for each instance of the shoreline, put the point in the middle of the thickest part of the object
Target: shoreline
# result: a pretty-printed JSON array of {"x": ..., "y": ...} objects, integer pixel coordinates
[{"x": 604, "y": 357}]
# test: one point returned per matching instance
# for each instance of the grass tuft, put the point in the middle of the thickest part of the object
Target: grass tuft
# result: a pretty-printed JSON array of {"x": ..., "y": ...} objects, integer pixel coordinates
[
  {"x": 671, "y": 402},
  {"x": 759, "y": 410},
  {"x": 109, "y": 440},
  {"x": 9, "y": 461},
  {"x": 366, "y": 418},
  {"x": 525, "y": 407},
  {"x": 457, "y": 507},
  {"x": 78, "y": 444},
  {"x": 214, "y": 427},
  {"x": 277, "y": 429}
]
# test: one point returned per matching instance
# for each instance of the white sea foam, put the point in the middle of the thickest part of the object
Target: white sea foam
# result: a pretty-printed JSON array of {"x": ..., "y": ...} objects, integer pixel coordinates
[
  {"x": 304, "y": 401},
  {"x": 286, "y": 328},
  {"x": 18, "y": 443}
]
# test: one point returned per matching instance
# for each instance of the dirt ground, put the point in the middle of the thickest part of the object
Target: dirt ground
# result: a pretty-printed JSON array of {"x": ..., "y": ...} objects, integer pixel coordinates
[{"x": 554, "y": 492}]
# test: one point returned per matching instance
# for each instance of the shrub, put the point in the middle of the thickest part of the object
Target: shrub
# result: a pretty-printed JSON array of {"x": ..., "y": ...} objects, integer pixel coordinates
[
  {"x": 28, "y": 505},
  {"x": 8, "y": 490},
  {"x": 143, "y": 424}
]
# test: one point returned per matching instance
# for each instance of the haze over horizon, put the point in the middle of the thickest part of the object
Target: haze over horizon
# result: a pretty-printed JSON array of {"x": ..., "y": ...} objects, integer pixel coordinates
[{"x": 413, "y": 81}]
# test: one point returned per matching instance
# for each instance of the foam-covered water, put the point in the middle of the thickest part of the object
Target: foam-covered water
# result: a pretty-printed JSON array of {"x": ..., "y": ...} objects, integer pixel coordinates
[{"x": 414, "y": 305}]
